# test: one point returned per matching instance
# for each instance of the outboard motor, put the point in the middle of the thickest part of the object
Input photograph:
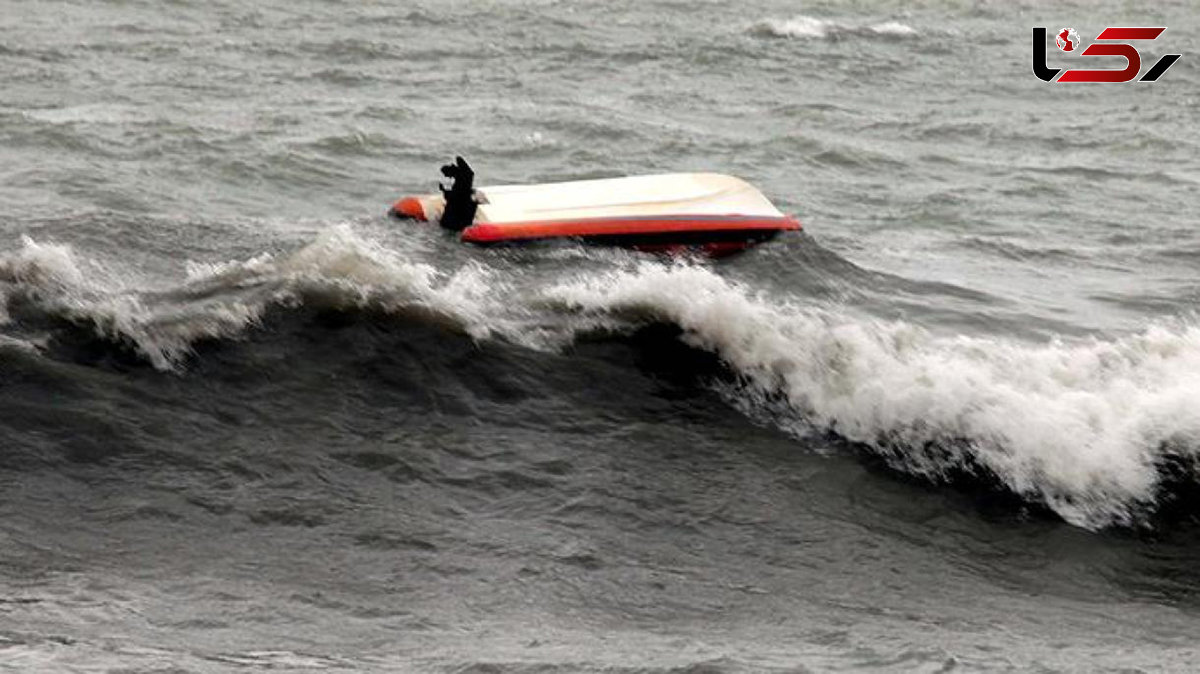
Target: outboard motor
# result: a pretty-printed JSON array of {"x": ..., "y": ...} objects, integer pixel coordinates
[
  {"x": 454, "y": 208},
  {"x": 460, "y": 196}
]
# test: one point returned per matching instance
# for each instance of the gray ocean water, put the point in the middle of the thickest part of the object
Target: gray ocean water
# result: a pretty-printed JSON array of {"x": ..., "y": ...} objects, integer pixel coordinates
[{"x": 248, "y": 423}]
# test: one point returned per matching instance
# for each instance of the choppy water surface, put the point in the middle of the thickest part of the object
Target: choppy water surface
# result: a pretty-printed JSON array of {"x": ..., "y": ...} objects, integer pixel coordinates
[{"x": 247, "y": 423}]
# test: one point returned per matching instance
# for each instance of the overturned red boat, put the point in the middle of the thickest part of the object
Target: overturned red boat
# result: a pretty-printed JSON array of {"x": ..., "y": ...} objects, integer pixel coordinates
[{"x": 707, "y": 212}]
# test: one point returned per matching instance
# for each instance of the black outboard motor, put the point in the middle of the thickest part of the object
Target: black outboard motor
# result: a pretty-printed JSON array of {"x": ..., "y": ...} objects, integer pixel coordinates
[{"x": 460, "y": 196}]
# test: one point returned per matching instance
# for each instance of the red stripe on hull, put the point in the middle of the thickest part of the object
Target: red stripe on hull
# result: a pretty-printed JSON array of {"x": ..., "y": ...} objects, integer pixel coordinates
[{"x": 524, "y": 231}]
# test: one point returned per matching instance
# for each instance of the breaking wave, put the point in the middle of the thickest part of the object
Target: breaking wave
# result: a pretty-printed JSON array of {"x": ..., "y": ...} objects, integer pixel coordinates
[
  {"x": 1083, "y": 427},
  {"x": 338, "y": 269}
]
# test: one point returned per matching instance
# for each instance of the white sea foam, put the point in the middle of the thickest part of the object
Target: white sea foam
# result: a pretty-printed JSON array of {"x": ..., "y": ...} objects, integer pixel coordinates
[
  {"x": 46, "y": 265},
  {"x": 800, "y": 26},
  {"x": 811, "y": 27},
  {"x": 92, "y": 113},
  {"x": 39, "y": 269},
  {"x": 1078, "y": 426},
  {"x": 338, "y": 268},
  {"x": 893, "y": 28}
]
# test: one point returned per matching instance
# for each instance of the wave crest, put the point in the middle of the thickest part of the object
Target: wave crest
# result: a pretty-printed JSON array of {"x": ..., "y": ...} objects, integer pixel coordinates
[
  {"x": 338, "y": 269},
  {"x": 1081, "y": 427},
  {"x": 1092, "y": 429}
]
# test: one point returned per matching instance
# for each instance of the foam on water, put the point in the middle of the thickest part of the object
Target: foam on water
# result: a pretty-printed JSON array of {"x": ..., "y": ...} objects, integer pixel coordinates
[
  {"x": 1078, "y": 426},
  {"x": 893, "y": 28},
  {"x": 49, "y": 266},
  {"x": 338, "y": 268},
  {"x": 39, "y": 269},
  {"x": 811, "y": 27}
]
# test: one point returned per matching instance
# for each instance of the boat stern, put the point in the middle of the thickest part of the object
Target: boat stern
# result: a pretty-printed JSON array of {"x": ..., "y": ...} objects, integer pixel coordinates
[{"x": 425, "y": 208}]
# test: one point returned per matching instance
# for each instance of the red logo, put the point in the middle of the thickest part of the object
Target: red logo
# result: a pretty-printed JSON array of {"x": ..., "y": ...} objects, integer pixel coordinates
[
  {"x": 1110, "y": 42},
  {"x": 1067, "y": 39}
]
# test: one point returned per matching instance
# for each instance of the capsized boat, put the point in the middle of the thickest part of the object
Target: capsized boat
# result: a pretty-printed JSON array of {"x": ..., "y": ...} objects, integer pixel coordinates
[{"x": 708, "y": 212}]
